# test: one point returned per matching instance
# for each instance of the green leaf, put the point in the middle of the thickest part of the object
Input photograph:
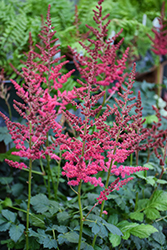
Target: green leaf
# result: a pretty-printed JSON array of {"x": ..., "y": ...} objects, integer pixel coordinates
[
  {"x": 159, "y": 237},
  {"x": 161, "y": 181},
  {"x": 113, "y": 229},
  {"x": 5, "y": 226},
  {"x": 115, "y": 240},
  {"x": 150, "y": 119},
  {"x": 16, "y": 231},
  {"x": 37, "y": 220},
  {"x": 143, "y": 231},
  {"x": 40, "y": 203},
  {"x": 113, "y": 219},
  {"x": 62, "y": 216},
  {"x": 103, "y": 231},
  {"x": 151, "y": 180},
  {"x": 148, "y": 165},
  {"x": 125, "y": 225},
  {"x": 5, "y": 136},
  {"x": 71, "y": 237},
  {"x": 95, "y": 228},
  {"x": 17, "y": 189},
  {"x": 151, "y": 213},
  {"x": 50, "y": 243},
  {"x": 60, "y": 229},
  {"x": 7, "y": 202},
  {"x": 10, "y": 156},
  {"x": 136, "y": 216},
  {"x": 9, "y": 215},
  {"x": 159, "y": 200},
  {"x": 5, "y": 180},
  {"x": 141, "y": 175},
  {"x": 86, "y": 246},
  {"x": 53, "y": 207}
]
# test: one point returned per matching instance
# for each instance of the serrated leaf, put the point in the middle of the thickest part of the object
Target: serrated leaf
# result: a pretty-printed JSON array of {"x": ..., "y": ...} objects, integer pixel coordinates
[
  {"x": 7, "y": 202},
  {"x": 53, "y": 207},
  {"x": 16, "y": 231},
  {"x": 136, "y": 216},
  {"x": 148, "y": 165},
  {"x": 151, "y": 180},
  {"x": 37, "y": 220},
  {"x": 5, "y": 226},
  {"x": 86, "y": 246},
  {"x": 17, "y": 189},
  {"x": 9, "y": 215},
  {"x": 6, "y": 180},
  {"x": 113, "y": 229},
  {"x": 159, "y": 237},
  {"x": 115, "y": 240},
  {"x": 150, "y": 119},
  {"x": 70, "y": 237},
  {"x": 60, "y": 229},
  {"x": 103, "y": 231},
  {"x": 143, "y": 231},
  {"x": 125, "y": 225},
  {"x": 141, "y": 175},
  {"x": 62, "y": 216},
  {"x": 95, "y": 228},
  {"x": 40, "y": 203},
  {"x": 152, "y": 213},
  {"x": 50, "y": 243},
  {"x": 113, "y": 219},
  {"x": 159, "y": 200},
  {"x": 161, "y": 181}
]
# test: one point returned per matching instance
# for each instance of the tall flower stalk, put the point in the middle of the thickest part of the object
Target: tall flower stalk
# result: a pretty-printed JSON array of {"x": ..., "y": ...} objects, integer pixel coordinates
[
  {"x": 38, "y": 109},
  {"x": 105, "y": 147},
  {"x": 160, "y": 43}
]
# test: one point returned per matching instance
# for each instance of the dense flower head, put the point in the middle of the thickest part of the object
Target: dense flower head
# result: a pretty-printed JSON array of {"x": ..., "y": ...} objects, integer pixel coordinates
[
  {"x": 39, "y": 108},
  {"x": 101, "y": 59},
  {"x": 115, "y": 185},
  {"x": 160, "y": 40},
  {"x": 85, "y": 155},
  {"x": 156, "y": 141}
]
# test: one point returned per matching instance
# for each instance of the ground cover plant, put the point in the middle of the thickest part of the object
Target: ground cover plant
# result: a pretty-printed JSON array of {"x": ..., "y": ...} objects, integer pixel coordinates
[{"x": 89, "y": 181}]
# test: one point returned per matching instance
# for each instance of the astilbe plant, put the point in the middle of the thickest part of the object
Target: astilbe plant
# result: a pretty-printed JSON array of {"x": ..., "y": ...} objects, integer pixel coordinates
[
  {"x": 101, "y": 54},
  {"x": 160, "y": 43},
  {"x": 160, "y": 40},
  {"x": 38, "y": 109},
  {"x": 101, "y": 147}
]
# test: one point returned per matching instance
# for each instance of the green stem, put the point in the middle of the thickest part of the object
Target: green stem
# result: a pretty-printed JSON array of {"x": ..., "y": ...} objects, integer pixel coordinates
[
  {"x": 107, "y": 182},
  {"x": 42, "y": 168},
  {"x": 33, "y": 171},
  {"x": 9, "y": 109},
  {"x": 29, "y": 192},
  {"x": 48, "y": 167},
  {"x": 58, "y": 178},
  {"x": 53, "y": 183},
  {"x": 131, "y": 159},
  {"x": 159, "y": 79},
  {"x": 81, "y": 215}
]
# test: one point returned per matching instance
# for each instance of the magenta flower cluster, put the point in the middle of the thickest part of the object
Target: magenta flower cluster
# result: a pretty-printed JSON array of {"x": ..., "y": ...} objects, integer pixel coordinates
[
  {"x": 98, "y": 146},
  {"x": 160, "y": 39}
]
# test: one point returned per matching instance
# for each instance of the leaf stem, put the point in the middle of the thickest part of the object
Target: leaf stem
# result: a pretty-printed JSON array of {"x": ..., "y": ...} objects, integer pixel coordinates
[
  {"x": 81, "y": 215},
  {"x": 29, "y": 192}
]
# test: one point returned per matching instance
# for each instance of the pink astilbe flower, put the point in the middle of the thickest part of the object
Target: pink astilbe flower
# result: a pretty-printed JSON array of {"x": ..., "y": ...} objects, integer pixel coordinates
[
  {"x": 160, "y": 40},
  {"x": 102, "y": 58},
  {"x": 46, "y": 67},
  {"x": 38, "y": 108},
  {"x": 157, "y": 139},
  {"x": 85, "y": 155}
]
